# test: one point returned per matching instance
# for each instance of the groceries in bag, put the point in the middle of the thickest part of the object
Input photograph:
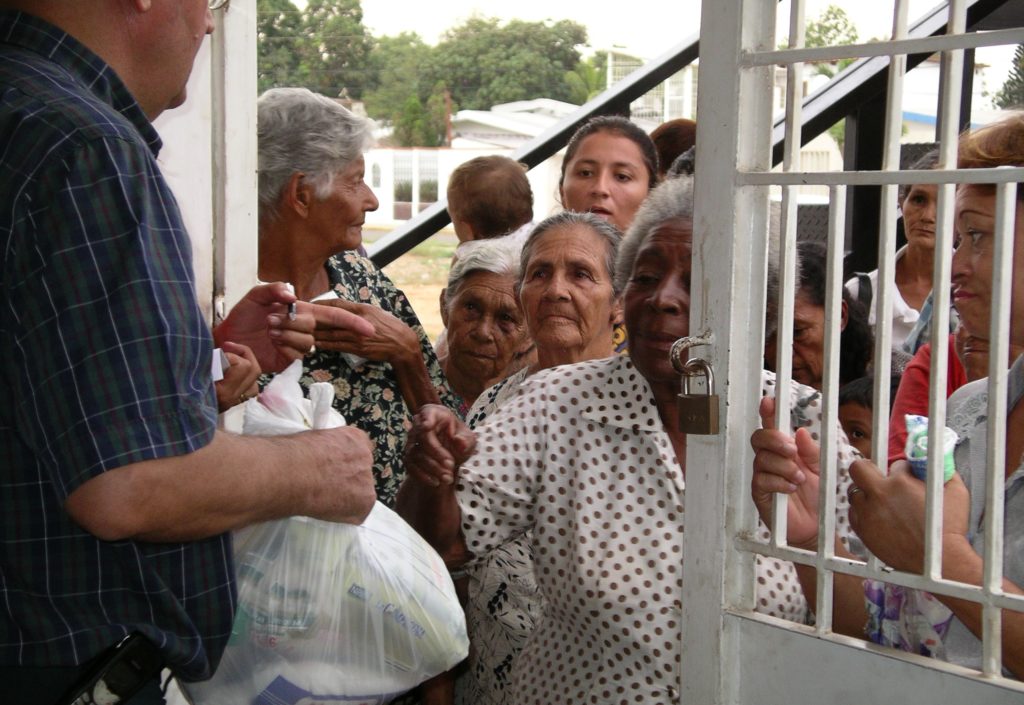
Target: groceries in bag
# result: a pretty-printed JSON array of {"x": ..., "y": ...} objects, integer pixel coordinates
[{"x": 328, "y": 612}]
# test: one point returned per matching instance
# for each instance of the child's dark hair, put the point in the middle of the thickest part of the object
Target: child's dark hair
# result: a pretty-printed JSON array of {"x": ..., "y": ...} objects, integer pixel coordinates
[{"x": 862, "y": 391}]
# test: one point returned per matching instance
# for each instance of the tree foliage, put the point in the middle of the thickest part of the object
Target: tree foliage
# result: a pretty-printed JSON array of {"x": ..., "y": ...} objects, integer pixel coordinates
[
  {"x": 832, "y": 28},
  {"x": 278, "y": 26},
  {"x": 485, "y": 63},
  {"x": 324, "y": 47},
  {"x": 410, "y": 85},
  {"x": 1011, "y": 95},
  {"x": 396, "y": 63},
  {"x": 588, "y": 79}
]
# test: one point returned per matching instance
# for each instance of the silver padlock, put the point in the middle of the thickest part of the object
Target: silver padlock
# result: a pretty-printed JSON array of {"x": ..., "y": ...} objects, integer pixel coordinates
[{"x": 698, "y": 413}]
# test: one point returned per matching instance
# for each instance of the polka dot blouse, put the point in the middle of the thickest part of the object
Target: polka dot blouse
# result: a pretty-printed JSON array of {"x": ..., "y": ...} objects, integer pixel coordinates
[{"x": 580, "y": 457}]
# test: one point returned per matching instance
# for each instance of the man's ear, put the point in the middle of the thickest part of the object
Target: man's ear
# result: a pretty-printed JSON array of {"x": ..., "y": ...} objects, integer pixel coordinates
[
  {"x": 298, "y": 194},
  {"x": 443, "y": 301},
  {"x": 845, "y": 317}
]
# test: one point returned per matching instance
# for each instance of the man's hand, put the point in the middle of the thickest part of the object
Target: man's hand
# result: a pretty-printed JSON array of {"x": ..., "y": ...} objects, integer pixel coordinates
[
  {"x": 239, "y": 381},
  {"x": 232, "y": 482},
  {"x": 261, "y": 322}
]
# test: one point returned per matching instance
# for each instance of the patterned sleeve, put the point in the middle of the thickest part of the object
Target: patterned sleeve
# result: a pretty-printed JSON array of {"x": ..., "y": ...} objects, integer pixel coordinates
[
  {"x": 498, "y": 484},
  {"x": 394, "y": 301},
  {"x": 806, "y": 412},
  {"x": 110, "y": 353}
]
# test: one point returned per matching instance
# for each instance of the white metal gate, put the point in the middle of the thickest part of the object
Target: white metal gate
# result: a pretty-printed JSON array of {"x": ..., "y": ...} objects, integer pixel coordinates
[{"x": 731, "y": 654}]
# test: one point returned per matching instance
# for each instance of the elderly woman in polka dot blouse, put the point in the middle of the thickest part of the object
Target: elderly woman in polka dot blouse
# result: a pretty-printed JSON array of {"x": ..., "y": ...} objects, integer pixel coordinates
[{"x": 588, "y": 457}]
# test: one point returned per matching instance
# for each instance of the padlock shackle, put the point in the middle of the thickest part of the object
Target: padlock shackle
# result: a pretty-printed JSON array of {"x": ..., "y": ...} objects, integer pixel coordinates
[{"x": 696, "y": 367}]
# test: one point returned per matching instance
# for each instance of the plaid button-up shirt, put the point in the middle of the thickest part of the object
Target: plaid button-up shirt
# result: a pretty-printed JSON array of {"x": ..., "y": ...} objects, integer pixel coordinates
[{"x": 104, "y": 361}]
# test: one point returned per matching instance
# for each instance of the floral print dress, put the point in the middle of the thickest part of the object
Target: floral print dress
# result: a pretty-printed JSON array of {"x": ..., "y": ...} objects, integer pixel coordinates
[{"x": 367, "y": 392}]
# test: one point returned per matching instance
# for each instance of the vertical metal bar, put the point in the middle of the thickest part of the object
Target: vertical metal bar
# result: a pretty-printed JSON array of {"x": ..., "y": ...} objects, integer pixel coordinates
[
  {"x": 830, "y": 410},
  {"x": 887, "y": 228},
  {"x": 218, "y": 102},
  {"x": 784, "y": 345},
  {"x": 995, "y": 455},
  {"x": 787, "y": 251},
  {"x": 949, "y": 107},
  {"x": 735, "y": 110}
]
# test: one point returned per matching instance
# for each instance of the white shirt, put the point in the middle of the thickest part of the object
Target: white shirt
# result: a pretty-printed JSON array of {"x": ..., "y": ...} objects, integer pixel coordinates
[
  {"x": 580, "y": 457},
  {"x": 903, "y": 316}
]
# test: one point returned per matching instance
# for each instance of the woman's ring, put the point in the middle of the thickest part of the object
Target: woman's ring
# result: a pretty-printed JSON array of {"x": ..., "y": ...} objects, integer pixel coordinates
[
  {"x": 852, "y": 491},
  {"x": 243, "y": 397}
]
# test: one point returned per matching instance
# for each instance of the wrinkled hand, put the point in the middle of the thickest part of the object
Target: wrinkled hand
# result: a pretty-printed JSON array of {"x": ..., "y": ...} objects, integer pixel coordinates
[
  {"x": 437, "y": 444},
  {"x": 260, "y": 321},
  {"x": 787, "y": 465},
  {"x": 239, "y": 381},
  {"x": 391, "y": 341},
  {"x": 888, "y": 513},
  {"x": 344, "y": 488}
]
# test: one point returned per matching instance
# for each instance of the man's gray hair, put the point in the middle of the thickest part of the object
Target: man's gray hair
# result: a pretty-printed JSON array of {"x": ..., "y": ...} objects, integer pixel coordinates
[
  {"x": 499, "y": 255},
  {"x": 671, "y": 199},
  {"x": 303, "y": 131},
  {"x": 608, "y": 233}
]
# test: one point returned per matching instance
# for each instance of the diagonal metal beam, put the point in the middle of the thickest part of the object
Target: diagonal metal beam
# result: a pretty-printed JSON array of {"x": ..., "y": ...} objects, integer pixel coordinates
[{"x": 614, "y": 101}]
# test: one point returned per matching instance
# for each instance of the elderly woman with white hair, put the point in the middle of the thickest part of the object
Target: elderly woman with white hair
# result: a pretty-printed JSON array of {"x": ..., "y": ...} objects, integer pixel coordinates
[
  {"x": 590, "y": 460},
  {"x": 482, "y": 317},
  {"x": 312, "y": 204}
]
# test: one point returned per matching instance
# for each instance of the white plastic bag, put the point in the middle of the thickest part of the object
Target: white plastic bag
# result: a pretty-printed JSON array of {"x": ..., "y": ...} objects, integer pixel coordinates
[{"x": 331, "y": 613}]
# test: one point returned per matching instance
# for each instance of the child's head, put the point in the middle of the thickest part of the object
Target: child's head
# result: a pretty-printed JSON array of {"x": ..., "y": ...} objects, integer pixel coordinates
[
  {"x": 855, "y": 404},
  {"x": 856, "y": 401},
  {"x": 489, "y": 197}
]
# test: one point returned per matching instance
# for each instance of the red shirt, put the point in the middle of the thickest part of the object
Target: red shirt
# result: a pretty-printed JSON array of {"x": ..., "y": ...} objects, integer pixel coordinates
[{"x": 912, "y": 395}]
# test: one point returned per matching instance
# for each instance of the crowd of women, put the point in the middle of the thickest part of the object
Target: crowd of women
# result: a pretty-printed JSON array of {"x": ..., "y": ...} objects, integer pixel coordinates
[{"x": 549, "y": 471}]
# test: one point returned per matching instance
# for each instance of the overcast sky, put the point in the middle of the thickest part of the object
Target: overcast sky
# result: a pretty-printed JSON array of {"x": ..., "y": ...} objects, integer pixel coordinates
[{"x": 643, "y": 29}]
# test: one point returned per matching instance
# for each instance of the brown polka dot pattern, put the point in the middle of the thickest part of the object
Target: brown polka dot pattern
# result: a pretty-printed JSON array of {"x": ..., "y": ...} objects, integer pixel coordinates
[
  {"x": 579, "y": 460},
  {"x": 579, "y": 457},
  {"x": 778, "y": 590}
]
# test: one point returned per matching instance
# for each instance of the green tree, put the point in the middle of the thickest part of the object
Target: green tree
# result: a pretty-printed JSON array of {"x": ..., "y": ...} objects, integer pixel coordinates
[
  {"x": 587, "y": 79},
  {"x": 336, "y": 51},
  {"x": 397, "y": 64},
  {"x": 1011, "y": 95},
  {"x": 421, "y": 124},
  {"x": 485, "y": 63},
  {"x": 324, "y": 47},
  {"x": 278, "y": 28},
  {"x": 832, "y": 28}
]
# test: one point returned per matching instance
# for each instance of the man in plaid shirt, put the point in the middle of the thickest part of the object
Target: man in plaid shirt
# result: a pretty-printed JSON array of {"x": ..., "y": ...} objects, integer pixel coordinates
[{"x": 116, "y": 491}]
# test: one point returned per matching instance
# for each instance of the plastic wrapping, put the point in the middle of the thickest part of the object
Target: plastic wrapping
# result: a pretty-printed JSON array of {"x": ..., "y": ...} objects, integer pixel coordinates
[
  {"x": 332, "y": 613},
  {"x": 917, "y": 447}
]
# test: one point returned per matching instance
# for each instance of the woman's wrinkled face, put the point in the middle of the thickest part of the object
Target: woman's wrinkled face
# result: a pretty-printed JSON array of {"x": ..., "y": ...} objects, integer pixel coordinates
[
  {"x": 339, "y": 216},
  {"x": 485, "y": 326},
  {"x": 808, "y": 343},
  {"x": 973, "y": 259},
  {"x": 657, "y": 299},
  {"x": 567, "y": 294},
  {"x": 607, "y": 176},
  {"x": 918, "y": 210}
]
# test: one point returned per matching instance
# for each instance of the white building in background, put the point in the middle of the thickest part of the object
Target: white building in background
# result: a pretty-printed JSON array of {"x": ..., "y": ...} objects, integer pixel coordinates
[{"x": 407, "y": 180}]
